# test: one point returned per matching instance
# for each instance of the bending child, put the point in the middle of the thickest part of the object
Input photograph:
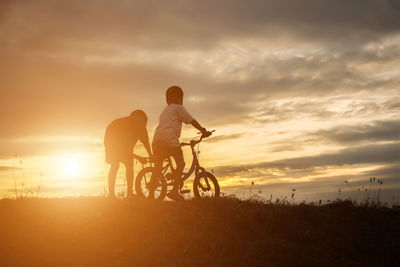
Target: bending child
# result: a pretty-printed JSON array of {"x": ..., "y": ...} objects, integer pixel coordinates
[{"x": 120, "y": 139}]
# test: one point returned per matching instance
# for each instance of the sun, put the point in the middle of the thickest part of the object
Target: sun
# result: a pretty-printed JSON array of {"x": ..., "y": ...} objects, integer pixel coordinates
[{"x": 70, "y": 166}]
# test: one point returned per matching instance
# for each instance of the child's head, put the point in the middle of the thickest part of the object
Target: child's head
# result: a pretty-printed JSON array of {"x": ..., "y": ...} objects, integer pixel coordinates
[
  {"x": 174, "y": 95},
  {"x": 140, "y": 114}
]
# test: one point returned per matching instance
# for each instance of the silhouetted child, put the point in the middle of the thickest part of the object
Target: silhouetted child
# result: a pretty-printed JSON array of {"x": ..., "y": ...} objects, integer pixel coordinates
[
  {"x": 120, "y": 139},
  {"x": 166, "y": 139}
]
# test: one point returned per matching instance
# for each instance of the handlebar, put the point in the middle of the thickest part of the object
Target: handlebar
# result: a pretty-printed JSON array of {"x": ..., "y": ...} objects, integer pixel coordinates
[
  {"x": 185, "y": 144},
  {"x": 194, "y": 142},
  {"x": 207, "y": 132}
]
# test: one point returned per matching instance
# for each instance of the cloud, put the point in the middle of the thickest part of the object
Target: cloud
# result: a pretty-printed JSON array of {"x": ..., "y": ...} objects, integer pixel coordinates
[
  {"x": 220, "y": 138},
  {"x": 292, "y": 109},
  {"x": 34, "y": 146},
  {"x": 368, "y": 154},
  {"x": 389, "y": 173},
  {"x": 69, "y": 68},
  {"x": 8, "y": 168},
  {"x": 86, "y": 63},
  {"x": 324, "y": 189},
  {"x": 373, "y": 132},
  {"x": 197, "y": 24}
]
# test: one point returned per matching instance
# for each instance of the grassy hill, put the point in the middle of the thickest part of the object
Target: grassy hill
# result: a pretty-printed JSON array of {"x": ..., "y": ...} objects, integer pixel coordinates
[{"x": 227, "y": 232}]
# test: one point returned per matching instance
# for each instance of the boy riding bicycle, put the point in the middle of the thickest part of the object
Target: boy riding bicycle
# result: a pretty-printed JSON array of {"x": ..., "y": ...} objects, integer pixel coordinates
[{"x": 166, "y": 139}]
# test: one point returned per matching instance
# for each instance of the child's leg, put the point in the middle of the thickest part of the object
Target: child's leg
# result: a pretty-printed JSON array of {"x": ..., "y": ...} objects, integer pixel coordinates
[
  {"x": 129, "y": 177},
  {"x": 112, "y": 174},
  {"x": 155, "y": 175},
  {"x": 177, "y": 154},
  {"x": 158, "y": 156}
]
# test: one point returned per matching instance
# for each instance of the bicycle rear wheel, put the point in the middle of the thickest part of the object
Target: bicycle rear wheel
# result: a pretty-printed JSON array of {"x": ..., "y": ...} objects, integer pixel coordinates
[
  {"x": 205, "y": 185},
  {"x": 142, "y": 183}
]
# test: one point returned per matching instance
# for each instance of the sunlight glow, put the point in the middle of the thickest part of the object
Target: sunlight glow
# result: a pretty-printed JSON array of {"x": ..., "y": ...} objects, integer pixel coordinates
[{"x": 70, "y": 166}]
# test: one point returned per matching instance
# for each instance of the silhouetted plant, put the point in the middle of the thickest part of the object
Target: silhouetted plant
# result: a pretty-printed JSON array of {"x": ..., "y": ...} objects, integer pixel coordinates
[{"x": 251, "y": 187}]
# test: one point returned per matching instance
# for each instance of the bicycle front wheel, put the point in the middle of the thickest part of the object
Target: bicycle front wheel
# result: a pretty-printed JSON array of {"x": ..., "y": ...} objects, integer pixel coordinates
[
  {"x": 143, "y": 181},
  {"x": 205, "y": 185}
]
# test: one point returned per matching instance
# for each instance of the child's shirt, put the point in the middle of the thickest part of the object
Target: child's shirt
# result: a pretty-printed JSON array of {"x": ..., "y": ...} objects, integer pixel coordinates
[
  {"x": 170, "y": 125},
  {"x": 124, "y": 133}
]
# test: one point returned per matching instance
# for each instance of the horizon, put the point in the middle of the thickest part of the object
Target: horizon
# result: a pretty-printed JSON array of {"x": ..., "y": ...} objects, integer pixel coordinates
[{"x": 304, "y": 97}]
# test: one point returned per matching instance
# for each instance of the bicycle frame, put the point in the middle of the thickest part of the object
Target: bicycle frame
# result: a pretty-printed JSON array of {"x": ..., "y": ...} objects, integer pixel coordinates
[
  {"x": 167, "y": 171},
  {"x": 195, "y": 166}
]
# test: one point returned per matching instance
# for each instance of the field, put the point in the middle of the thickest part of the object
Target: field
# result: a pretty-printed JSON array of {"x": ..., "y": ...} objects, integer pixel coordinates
[{"x": 227, "y": 232}]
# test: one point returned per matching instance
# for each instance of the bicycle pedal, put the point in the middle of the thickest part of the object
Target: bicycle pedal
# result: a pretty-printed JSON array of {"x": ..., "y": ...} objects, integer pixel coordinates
[{"x": 185, "y": 191}]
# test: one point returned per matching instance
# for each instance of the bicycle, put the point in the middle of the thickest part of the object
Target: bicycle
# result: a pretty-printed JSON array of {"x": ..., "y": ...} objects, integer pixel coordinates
[{"x": 205, "y": 185}]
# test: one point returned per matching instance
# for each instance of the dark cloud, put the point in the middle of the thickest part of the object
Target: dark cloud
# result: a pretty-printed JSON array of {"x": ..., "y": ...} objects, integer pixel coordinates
[
  {"x": 389, "y": 173},
  {"x": 376, "y": 131},
  {"x": 369, "y": 154},
  {"x": 356, "y": 186},
  {"x": 324, "y": 189},
  {"x": 193, "y": 23}
]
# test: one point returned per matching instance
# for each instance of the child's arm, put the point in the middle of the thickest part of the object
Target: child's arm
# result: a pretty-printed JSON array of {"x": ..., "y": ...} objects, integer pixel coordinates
[
  {"x": 198, "y": 126},
  {"x": 144, "y": 138},
  {"x": 187, "y": 118}
]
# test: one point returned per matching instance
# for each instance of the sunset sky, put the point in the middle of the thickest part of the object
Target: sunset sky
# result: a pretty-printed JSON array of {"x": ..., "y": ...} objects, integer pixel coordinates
[{"x": 303, "y": 94}]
